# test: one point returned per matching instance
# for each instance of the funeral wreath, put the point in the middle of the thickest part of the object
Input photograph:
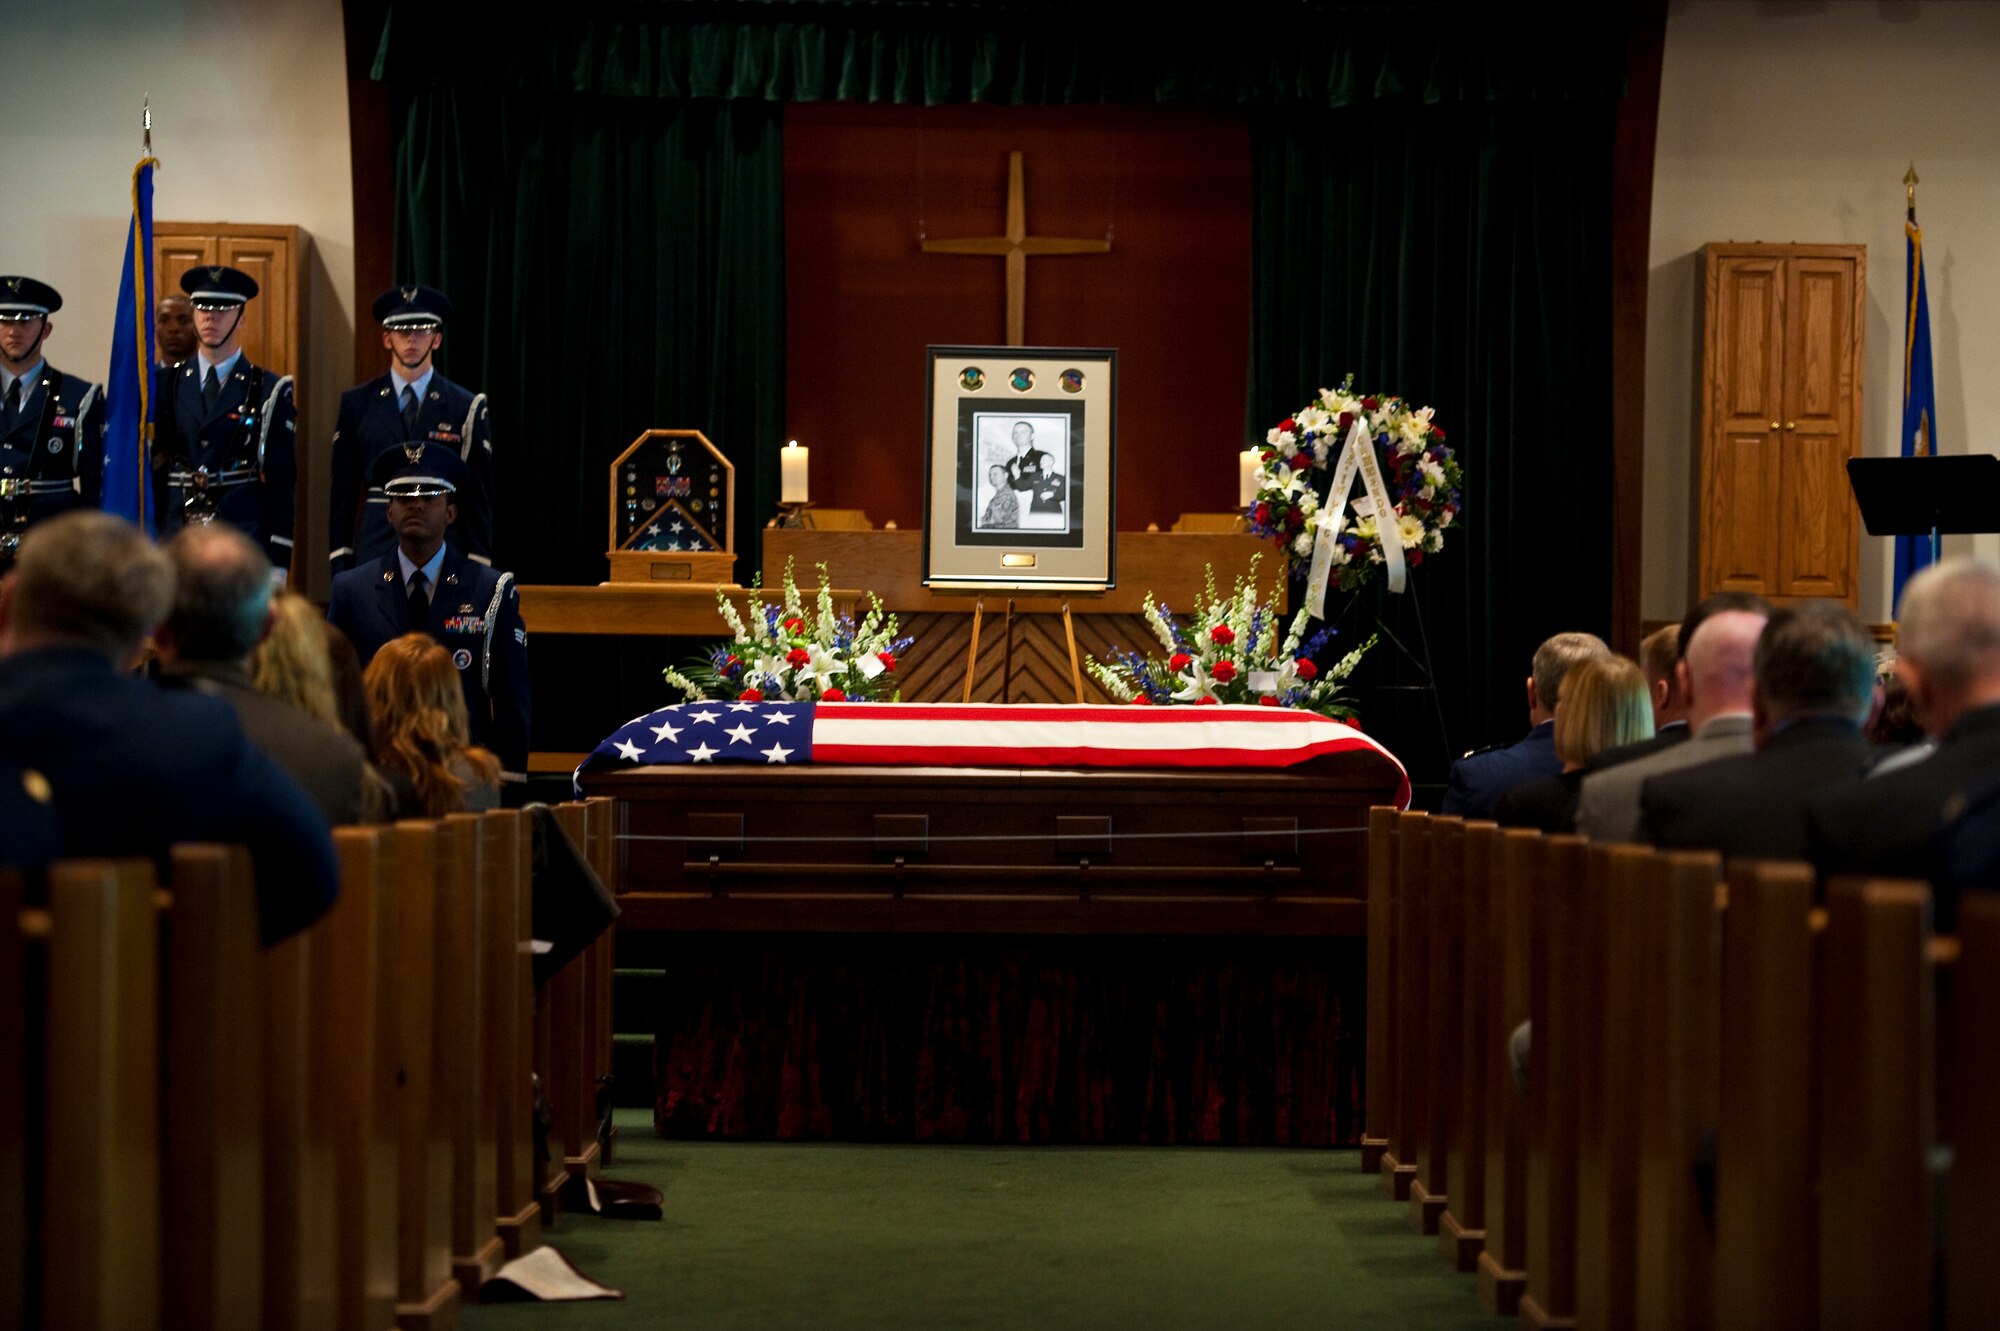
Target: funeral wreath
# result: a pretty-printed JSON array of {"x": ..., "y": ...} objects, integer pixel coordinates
[
  {"x": 794, "y": 652},
  {"x": 1238, "y": 650},
  {"x": 1421, "y": 474}
]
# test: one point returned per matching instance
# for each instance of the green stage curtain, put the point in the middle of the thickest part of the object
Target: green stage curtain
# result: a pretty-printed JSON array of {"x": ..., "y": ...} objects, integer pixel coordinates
[
  {"x": 615, "y": 266},
  {"x": 1458, "y": 256},
  {"x": 1304, "y": 54}
]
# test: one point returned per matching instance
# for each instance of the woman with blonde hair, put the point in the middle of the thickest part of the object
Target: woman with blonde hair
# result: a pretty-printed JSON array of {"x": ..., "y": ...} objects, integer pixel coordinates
[
  {"x": 292, "y": 664},
  {"x": 421, "y": 728},
  {"x": 1605, "y": 702}
]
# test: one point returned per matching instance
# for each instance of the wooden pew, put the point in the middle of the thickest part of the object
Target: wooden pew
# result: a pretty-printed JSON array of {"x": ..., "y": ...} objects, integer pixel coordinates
[
  {"x": 1444, "y": 1045},
  {"x": 1381, "y": 1070},
  {"x": 1410, "y": 1122},
  {"x": 459, "y": 1046},
  {"x": 602, "y": 816},
  {"x": 213, "y": 1012},
  {"x": 1766, "y": 1140},
  {"x": 1972, "y": 1276},
  {"x": 300, "y": 1240},
  {"x": 1462, "y": 1228},
  {"x": 1877, "y": 1107},
  {"x": 100, "y": 1233},
  {"x": 1608, "y": 1056},
  {"x": 427, "y": 1295},
  {"x": 572, "y": 1084},
  {"x": 1680, "y": 917},
  {"x": 507, "y": 1015},
  {"x": 1555, "y": 996},
  {"x": 1512, "y": 957},
  {"x": 353, "y": 1010}
]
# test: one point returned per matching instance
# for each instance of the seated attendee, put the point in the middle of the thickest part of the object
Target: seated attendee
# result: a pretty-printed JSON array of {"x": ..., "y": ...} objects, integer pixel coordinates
[
  {"x": 421, "y": 729},
  {"x": 27, "y": 812},
  {"x": 134, "y": 769},
  {"x": 1948, "y": 656},
  {"x": 301, "y": 662},
  {"x": 1480, "y": 778},
  {"x": 222, "y": 610},
  {"x": 1605, "y": 703},
  {"x": 1896, "y": 732},
  {"x": 1662, "y": 655},
  {"x": 1815, "y": 686},
  {"x": 1717, "y": 677}
]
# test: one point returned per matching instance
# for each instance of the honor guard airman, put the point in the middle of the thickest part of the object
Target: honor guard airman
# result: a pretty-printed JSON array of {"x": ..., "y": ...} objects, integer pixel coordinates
[
  {"x": 411, "y": 402},
  {"x": 422, "y": 585},
  {"x": 51, "y": 424},
  {"x": 225, "y": 440}
]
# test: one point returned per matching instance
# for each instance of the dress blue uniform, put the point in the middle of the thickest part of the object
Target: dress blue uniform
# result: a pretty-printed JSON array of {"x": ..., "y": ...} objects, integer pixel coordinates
[
  {"x": 52, "y": 440},
  {"x": 1479, "y": 779},
  {"x": 236, "y": 461},
  {"x": 475, "y": 612},
  {"x": 372, "y": 422}
]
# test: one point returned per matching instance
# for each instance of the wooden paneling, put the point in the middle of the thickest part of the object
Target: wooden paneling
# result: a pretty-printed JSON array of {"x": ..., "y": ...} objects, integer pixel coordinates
[
  {"x": 1781, "y": 406},
  {"x": 273, "y": 255}
]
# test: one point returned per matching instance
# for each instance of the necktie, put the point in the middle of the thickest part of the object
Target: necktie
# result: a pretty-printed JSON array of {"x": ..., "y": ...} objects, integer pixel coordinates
[
  {"x": 420, "y": 604},
  {"x": 13, "y": 403},
  {"x": 210, "y": 388},
  {"x": 409, "y": 412}
]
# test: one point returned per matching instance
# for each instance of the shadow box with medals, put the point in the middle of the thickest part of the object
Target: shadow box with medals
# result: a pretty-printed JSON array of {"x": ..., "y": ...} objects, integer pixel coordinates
[{"x": 673, "y": 495}]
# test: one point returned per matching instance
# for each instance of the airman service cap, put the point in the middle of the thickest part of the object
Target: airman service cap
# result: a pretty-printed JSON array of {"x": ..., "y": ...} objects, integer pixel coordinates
[
  {"x": 412, "y": 307},
  {"x": 23, "y": 298},
  {"x": 419, "y": 470},
  {"x": 217, "y": 287}
]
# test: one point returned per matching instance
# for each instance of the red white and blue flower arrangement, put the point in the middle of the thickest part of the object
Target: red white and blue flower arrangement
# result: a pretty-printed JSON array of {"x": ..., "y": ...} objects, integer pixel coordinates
[
  {"x": 1237, "y": 651},
  {"x": 794, "y": 652},
  {"x": 1422, "y": 475}
]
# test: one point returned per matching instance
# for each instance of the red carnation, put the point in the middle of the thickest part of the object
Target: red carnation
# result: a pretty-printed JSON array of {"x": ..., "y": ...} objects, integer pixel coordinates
[
  {"x": 1224, "y": 671},
  {"x": 1263, "y": 514},
  {"x": 1142, "y": 701},
  {"x": 1222, "y": 634},
  {"x": 1268, "y": 700},
  {"x": 1294, "y": 519},
  {"x": 1416, "y": 557},
  {"x": 1267, "y": 455},
  {"x": 798, "y": 656},
  {"x": 1298, "y": 461},
  {"x": 1346, "y": 421},
  {"x": 1178, "y": 661},
  {"x": 1438, "y": 430},
  {"x": 1307, "y": 670},
  {"x": 888, "y": 660},
  {"x": 1371, "y": 403},
  {"x": 1289, "y": 423},
  {"x": 795, "y": 625},
  {"x": 833, "y": 695},
  {"x": 751, "y": 695},
  {"x": 1204, "y": 702}
]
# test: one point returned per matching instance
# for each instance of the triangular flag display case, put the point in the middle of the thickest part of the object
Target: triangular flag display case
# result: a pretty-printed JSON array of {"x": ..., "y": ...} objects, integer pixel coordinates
[{"x": 672, "y": 499}]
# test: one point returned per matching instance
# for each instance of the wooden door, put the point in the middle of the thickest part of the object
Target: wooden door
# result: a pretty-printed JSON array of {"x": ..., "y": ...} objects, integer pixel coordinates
[
  {"x": 1741, "y": 463},
  {"x": 273, "y": 255},
  {"x": 1780, "y": 416}
]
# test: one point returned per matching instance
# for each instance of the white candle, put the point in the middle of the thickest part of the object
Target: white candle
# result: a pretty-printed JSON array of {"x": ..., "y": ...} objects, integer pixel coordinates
[
  {"x": 792, "y": 476},
  {"x": 1247, "y": 463}
]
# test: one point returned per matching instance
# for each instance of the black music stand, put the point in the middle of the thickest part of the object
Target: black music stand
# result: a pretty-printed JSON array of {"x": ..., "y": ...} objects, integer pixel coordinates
[{"x": 1932, "y": 496}]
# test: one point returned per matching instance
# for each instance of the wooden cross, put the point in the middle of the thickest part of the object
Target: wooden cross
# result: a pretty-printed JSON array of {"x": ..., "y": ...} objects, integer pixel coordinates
[{"x": 1016, "y": 246}]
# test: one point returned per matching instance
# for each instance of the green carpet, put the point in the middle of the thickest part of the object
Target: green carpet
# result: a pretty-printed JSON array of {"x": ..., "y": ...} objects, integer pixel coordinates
[{"x": 832, "y": 1236}]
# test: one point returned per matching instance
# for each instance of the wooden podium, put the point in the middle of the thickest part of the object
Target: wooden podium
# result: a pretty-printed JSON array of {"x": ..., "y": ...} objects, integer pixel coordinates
[{"x": 1033, "y": 665}]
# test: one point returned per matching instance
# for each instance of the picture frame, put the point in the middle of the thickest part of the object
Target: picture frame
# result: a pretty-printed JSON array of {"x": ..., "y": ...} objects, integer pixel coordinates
[{"x": 1020, "y": 469}]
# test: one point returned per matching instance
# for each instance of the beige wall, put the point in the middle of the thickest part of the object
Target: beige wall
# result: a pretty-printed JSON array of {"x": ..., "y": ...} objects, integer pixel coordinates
[
  {"x": 1795, "y": 122},
  {"x": 249, "y": 124}
]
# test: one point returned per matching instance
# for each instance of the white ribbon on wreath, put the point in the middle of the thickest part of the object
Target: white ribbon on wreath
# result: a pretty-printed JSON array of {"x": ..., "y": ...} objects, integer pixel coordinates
[{"x": 1357, "y": 459}]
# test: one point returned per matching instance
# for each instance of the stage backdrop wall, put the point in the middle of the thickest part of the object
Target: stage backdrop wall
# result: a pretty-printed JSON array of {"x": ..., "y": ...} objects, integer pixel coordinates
[{"x": 1169, "y": 185}]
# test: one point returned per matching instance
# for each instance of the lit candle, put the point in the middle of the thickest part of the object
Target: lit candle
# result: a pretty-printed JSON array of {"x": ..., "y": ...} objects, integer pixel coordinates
[
  {"x": 1247, "y": 463},
  {"x": 792, "y": 476}
]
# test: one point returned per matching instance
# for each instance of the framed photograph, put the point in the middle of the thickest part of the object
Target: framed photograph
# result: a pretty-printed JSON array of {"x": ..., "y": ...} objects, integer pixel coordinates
[{"x": 1018, "y": 476}]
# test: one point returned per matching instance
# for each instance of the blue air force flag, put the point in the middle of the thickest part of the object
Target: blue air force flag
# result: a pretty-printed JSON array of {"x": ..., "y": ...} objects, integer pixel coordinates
[
  {"x": 1919, "y": 397},
  {"x": 128, "y": 392}
]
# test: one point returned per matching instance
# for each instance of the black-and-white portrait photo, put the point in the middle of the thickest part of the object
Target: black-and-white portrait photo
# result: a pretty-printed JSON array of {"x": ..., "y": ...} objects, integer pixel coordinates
[{"x": 1023, "y": 472}]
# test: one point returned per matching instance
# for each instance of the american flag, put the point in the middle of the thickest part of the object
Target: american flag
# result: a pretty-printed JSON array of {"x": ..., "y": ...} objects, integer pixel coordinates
[{"x": 982, "y": 735}]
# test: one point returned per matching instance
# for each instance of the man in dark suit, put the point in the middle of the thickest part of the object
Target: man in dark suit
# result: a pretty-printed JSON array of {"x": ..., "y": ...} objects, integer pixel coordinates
[
  {"x": 51, "y": 423},
  {"x": 226, "y": 427},
  {"x": 1033, "y": 470},
  {"x": 1814, "y": 686},
  {"x": 1483, "y": 776},
  {"x": 411, "y": 401},
  {"x": 425, "y": 587},
  {"x": 133, "y": 769},
  {"x": 222, "y": 610},
  {"x": 1948, "y": 656}
]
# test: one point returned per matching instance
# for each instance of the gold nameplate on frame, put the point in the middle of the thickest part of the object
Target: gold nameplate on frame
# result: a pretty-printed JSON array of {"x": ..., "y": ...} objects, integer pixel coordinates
[{"x": 1017, "y": 561}]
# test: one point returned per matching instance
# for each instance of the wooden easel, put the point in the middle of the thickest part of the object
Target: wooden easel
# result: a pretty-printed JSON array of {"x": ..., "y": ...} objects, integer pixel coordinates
[{"x": 1007, "y": 672}]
